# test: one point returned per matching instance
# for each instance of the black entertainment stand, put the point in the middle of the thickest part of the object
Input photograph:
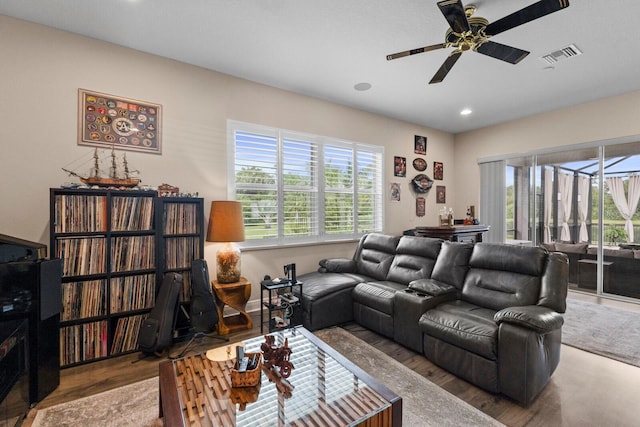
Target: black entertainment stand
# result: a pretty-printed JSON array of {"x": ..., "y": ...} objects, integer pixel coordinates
[
  {"x": 30, "y": 292},
  {"x": 14, "y": 377}
]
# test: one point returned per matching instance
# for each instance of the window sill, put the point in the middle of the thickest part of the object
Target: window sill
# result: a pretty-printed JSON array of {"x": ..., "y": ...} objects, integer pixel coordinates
[{"x": 297, "y": 245}]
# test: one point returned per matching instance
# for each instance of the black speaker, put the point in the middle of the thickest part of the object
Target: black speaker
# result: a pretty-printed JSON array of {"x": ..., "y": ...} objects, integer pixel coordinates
[{"x": 44, "y": 333}]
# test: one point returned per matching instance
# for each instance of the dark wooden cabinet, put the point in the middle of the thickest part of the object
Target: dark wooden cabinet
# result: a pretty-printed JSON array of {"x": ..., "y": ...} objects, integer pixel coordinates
[{"x": 455, "y": 233}]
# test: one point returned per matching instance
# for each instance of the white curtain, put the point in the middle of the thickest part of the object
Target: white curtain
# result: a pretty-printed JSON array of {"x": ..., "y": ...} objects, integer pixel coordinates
[
  {"x": 548, "y": 201},
  {"x": 626, "y": 207},
  {"x": 493, "y": 199},
  {"x": 565, "y": 195},
  {"x": 584, "y": 187}
]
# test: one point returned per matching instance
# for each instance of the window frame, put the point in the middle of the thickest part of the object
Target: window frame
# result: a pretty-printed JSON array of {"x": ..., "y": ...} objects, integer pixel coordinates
[{"x": 318, "y": 232}]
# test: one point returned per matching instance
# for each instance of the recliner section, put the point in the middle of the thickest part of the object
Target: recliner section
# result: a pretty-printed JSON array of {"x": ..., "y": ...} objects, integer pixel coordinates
[{"x": 488, "y": 313}]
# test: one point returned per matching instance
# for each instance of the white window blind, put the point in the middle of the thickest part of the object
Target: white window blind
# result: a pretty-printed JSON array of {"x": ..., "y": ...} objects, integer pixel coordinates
[{"x": 304, "y": 188}]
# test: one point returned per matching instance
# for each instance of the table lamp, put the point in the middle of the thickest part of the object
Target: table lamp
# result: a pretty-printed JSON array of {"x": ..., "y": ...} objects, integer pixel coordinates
[{"x": 226, "y": 225}]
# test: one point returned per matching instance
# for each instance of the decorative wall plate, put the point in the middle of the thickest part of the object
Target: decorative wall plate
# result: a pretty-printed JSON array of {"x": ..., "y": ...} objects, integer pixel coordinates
[
  {"x": 419, "y": 164},
  {"x": 422, "y": 183}
]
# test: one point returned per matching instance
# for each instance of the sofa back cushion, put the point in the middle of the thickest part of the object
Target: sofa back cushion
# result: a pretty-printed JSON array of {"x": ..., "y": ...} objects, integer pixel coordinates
[
  {"x": 374, "y": 255},
  {"x": 610, "y": 252},
  {"x": 453, "y": 263},
  {"x": 555, "y": 282},
  {"x": 503, "y": 276},
  {"x": 571, "y": 248},
  {"x": 414, "y": 259}
]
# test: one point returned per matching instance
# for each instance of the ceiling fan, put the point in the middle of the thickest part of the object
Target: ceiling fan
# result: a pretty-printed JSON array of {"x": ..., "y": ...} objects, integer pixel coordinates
[{"x": 468, "y": 32}]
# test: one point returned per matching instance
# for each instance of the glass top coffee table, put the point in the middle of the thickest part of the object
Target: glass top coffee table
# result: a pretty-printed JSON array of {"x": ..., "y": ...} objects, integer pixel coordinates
[{"x": 323, "y": 389}]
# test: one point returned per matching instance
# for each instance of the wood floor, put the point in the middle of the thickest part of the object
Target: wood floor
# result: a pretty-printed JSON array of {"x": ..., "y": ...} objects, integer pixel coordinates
[{"x": 585, "y": 390}]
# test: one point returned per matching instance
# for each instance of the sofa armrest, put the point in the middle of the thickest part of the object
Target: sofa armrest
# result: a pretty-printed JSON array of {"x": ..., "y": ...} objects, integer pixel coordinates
[
  {"x": 432, "y": 287},
  {"x": 538, "y": 318},
  {"x": 337, "y": 265}
]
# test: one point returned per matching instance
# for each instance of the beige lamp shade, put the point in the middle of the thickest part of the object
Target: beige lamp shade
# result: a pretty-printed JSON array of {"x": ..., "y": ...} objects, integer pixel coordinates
[{"x": 225, "y": 222}]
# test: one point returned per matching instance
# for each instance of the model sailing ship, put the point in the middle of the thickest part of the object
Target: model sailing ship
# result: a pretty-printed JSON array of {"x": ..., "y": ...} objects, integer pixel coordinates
[{"x": 113, "y": 180}]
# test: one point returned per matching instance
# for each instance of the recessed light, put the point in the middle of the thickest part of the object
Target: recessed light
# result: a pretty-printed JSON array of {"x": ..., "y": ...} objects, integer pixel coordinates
[
  {"x": 465, "y": 112},
  {"x": 362, "y": 86}
]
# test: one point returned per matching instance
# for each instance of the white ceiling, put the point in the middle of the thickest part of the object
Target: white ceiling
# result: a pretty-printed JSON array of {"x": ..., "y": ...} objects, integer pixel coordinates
[{"x": 322, "y": 48}]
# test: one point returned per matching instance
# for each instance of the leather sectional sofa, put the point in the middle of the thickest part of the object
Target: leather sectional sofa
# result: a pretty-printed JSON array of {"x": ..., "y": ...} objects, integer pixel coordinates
[{"x": 489, "y": 313}]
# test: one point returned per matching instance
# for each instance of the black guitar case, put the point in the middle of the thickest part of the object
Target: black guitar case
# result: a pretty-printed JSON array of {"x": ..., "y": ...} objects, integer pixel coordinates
[
  {"x": 156, "y": 331},
  {"x": 203, "y": 311}
]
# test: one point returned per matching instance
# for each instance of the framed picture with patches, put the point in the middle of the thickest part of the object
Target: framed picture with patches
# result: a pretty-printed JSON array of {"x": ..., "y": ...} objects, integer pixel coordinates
[{"x": 109, "y": 121}]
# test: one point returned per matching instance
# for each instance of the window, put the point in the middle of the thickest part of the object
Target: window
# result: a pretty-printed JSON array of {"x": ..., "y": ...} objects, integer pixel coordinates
[{"x": 298, "y": 188}]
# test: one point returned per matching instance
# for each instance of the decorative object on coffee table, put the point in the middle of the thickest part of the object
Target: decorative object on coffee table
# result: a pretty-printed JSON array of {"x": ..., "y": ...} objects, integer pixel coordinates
[
  {"x": 250, "y": 377},
  {"x": 277, "y": 357},
  {"x": 226, "y": 225}
]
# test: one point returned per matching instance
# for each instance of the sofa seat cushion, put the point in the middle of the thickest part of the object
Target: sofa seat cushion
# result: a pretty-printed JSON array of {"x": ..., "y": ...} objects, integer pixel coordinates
[
  {"x": 463, "y": 325},
  {"x": 317, "y": 285},
  {"x": 377, "y": 295}
]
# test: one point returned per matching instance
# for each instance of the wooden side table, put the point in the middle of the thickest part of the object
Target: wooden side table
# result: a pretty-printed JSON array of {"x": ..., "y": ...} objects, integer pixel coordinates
[{"x": 235, "y": 295}]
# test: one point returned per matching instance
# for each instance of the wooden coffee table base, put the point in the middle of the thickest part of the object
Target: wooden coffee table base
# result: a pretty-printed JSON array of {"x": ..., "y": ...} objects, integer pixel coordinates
[{"x": 195, "y": 391}]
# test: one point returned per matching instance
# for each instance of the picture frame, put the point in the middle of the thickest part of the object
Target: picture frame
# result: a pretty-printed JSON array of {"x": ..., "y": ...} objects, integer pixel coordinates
[
  {"x": 421, "y": 183},
  {"x": 420, "y": 206},
  {"x": 441, "y": 194},
  {"x": 109, "y": 121},
  {"x": 420, "y": 144},
  {"x": 419, "y": 164},
  {"x": 394, "y": 192},
  {"x": 399, "y": 166},
  {"x": 438, "y": 171}
]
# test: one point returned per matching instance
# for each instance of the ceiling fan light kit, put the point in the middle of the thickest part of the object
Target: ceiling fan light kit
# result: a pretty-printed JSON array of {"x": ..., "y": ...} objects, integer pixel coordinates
[{"x": 467, "y": 32}]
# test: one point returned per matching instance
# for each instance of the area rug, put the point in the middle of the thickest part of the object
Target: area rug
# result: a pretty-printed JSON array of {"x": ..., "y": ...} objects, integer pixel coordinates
[
  {"x": 423, "y": 403},
  {"x": 607, "y": 331},
  {"x": 133, "y": 405}
]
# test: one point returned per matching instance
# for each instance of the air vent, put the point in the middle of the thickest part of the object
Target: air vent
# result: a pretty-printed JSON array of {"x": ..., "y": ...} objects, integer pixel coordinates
[{"x": 559, "y": 55}]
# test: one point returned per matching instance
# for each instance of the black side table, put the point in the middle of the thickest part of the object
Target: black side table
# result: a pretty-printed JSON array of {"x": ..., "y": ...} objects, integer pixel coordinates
[{"x": 282, "y": 304}]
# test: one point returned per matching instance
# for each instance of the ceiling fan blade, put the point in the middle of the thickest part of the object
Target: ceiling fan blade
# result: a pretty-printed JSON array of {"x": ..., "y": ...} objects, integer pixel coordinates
[
  {"x": 446, "y": 67},
  {"x": 415, "y": 51},
  {"x": 529, "y": 13},
  {"x": 453, "y": 11},
  {"x": 503, "y": 52}
]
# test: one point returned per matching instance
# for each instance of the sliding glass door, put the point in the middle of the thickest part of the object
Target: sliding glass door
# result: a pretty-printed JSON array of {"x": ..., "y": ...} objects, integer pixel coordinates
[{"x": 584, "y": 202}]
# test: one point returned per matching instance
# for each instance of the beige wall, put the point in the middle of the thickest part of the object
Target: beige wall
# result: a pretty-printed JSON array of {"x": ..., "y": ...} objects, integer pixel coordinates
[
  {"x": 606, "y": 119},
  {"x": 41, "y": 70}
]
